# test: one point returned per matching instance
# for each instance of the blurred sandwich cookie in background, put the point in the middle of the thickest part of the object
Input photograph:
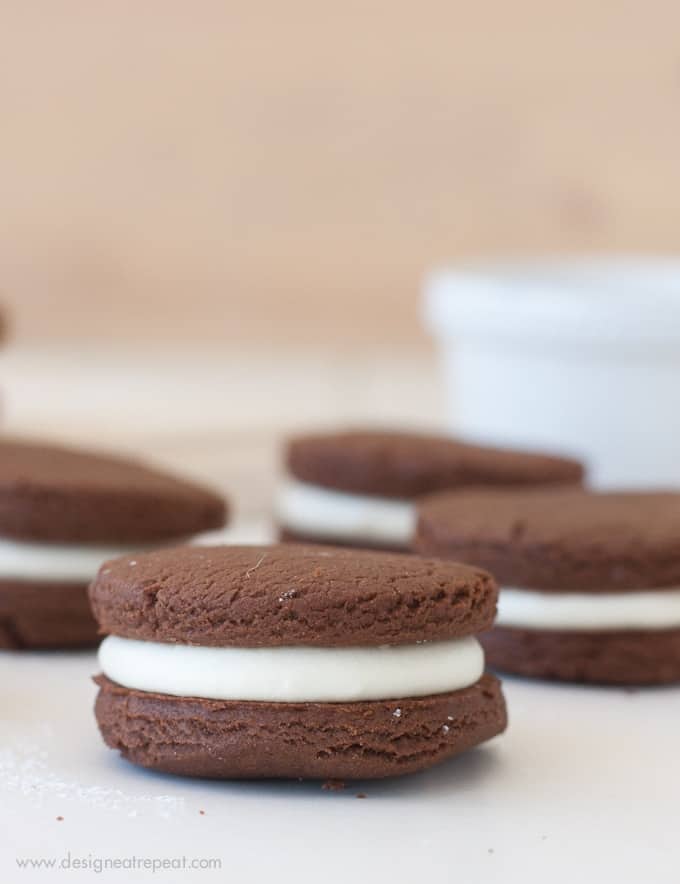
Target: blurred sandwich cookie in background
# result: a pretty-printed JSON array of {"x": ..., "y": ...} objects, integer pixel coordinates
[
  {"x": 590, "y": 582},
  {"x": 62, "y": 513},
  {"x": 358, "y": 488}
]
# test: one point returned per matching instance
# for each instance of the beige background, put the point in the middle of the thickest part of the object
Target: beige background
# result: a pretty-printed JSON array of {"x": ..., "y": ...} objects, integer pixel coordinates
[{"x": 245, "y": 172}]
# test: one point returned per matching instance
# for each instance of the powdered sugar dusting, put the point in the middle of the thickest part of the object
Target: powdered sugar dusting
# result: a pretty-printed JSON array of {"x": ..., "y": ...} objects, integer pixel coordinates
[{"x": 25, "y": 770}]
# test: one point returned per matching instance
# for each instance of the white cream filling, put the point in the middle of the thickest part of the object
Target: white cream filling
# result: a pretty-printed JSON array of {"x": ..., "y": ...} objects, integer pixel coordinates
[
  {"x": 293, "y": 674},
  {"x": 56, "y": 562},
  {"x": 531, "y": 609},
  {"x": 336, "y": 515}
]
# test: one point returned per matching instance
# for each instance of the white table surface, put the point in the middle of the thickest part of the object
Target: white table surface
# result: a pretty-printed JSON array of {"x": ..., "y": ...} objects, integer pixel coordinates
[{"x": 584, "y": 786}]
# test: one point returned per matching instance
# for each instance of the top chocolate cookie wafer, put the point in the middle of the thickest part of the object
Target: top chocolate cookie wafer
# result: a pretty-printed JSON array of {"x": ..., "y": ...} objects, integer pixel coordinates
[
  {"x": 558, "y": 539},
  {"x": 56, "y": 494},
  {"x": 407, "y": 465},
  {"x": 289, "y": 594}
]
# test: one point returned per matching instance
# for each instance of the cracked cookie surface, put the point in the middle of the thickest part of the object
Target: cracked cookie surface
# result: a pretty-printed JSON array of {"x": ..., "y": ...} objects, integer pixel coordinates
[{"x": 289, "y": 594}]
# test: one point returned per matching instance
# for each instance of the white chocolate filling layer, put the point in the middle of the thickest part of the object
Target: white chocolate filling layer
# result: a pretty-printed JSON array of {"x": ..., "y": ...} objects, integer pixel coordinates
[
  {"x": 336, "y": 515},
  {"x": 53, "y": 562},
  {"x": 579, "y": 611},
  {"x": 293, "y": 674}
]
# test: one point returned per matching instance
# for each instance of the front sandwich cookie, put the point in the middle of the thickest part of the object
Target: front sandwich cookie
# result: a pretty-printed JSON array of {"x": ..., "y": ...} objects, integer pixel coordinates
[{"x": 293, "y": 661}]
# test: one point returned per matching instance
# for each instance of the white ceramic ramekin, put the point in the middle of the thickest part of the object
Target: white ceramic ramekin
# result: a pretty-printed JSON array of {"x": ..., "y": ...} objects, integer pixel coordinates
[{"x": 580, "y": 356}]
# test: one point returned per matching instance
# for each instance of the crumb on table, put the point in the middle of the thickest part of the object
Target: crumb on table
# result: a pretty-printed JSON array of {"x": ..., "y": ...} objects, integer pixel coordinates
[{"x": 333, "y": 786}]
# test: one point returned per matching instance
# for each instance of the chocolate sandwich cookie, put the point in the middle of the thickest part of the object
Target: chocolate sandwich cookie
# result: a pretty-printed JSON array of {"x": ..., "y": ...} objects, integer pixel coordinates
[
  {"x": 358, "y": 488},
  {"x": 590, "y": 582},
  {"x": 293, "y": 661},
  {"x": 65, "y": 511}
]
